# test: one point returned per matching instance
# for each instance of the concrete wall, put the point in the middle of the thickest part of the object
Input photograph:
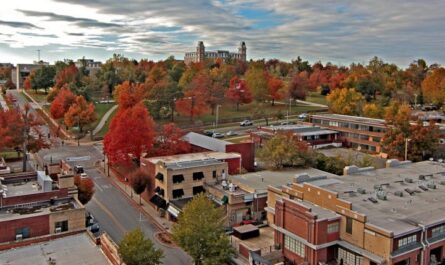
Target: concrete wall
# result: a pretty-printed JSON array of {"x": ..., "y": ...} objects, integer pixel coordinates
[{"x": 75, "y": 218}]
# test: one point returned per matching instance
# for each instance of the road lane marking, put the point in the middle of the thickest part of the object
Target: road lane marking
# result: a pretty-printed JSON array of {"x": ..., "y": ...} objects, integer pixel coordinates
[
  {"x": 112, "y": 217},
  {"x": 78, "y": 158}
]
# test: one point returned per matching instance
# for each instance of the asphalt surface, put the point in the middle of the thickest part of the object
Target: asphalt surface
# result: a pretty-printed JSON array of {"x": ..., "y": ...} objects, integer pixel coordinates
[{"x": 110, "y": 207}]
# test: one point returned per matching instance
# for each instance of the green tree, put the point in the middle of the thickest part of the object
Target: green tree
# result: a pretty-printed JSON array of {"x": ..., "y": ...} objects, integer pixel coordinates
[
  {"x": 135, "y": 249},
  {"x": 257, "y": 83},
  {"x": 200, "y": 232},
  {"x": 43, "y": 78}
]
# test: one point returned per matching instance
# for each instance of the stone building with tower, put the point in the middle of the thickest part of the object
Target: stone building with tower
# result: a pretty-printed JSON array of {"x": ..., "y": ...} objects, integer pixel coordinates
[{"x": 201, "y": 54}]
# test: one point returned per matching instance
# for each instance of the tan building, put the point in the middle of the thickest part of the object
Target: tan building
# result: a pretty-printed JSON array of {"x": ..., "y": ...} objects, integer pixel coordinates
[
  {"x": 201, "y": 54},
  {"x": 393, "y": 215}
]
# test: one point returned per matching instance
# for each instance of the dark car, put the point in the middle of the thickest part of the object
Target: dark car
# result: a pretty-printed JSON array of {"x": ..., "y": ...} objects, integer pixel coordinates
[
  {"x": 209, "y": 133},
  {"x": 95, "y": 228}
]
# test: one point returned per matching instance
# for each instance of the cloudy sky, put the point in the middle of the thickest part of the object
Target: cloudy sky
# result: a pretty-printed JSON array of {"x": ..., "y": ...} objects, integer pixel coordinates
[{"x": 339, "y": 31}]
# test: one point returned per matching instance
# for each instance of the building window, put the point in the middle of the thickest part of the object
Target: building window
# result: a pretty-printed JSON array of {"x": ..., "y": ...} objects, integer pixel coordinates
[
  {"x": 294, "y": 246},
  {"x": 160, "y": 177},
  {"x": 349, "y": 225},
  {"x": 178, "y": 193},
  {"x": 406, "y": 241},
  {"x": 198, "y": 175},
  {"x": 61, "y": 226},
  {"x": 23, "y": 232},
  {"x": 333, "y": 227},
  {"x": 198, "y": 189},
  {"x": 214, "y": 174},
  {"x": 437, "y": 230},
  {"x": 349, "y": 258},
  {"x": 178, "y": 179}
]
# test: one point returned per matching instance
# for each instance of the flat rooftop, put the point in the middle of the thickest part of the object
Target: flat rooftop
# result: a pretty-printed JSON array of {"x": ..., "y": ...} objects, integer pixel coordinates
[
  {"x": 206, "y": 142},
  {"x": 425, "y": 180},
  {"x": 259, "y": 181},
  {"x": 22, "y": 188},
  {"x": 357, "y": 119},
  {"x": 70, "y": 250},
  {"x": 193, "y": 157},
  {"x": 300, "y": 129}
]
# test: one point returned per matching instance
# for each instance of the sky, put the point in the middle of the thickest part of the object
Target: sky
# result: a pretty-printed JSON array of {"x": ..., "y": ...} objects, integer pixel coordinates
[{"x": 341, "y": 31}]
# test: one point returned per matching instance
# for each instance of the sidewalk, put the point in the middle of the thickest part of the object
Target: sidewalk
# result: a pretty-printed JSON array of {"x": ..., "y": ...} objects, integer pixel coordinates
[{"x": 152, "y": 215}]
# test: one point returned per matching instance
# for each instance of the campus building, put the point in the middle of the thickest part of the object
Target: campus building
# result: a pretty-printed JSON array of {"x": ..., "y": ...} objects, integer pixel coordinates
[
  {"x": 393, "y": 215},
  {"x": 201, "y": 54},
  {"x": 21, "y": 71},
  {"x": 315, "y": 136},
  {"x": 355, "y": 132},
  {"x": 38, "y": 206},
  {"x": 202, "y": 143}
]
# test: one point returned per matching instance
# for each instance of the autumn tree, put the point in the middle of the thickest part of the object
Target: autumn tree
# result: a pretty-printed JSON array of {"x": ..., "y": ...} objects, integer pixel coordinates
[
  {"x": 131, "y": 133},
  {"x": 61, "y": 103},
  {"x": 345, "y": 101},
  {"x": 275, "y": 88},
  {"x": 192, "y": 104},
  {"x": 298, "y": 85},
  {"x": 68, "y": 75},
  {"x": 135, "y": 249},
  {"x": 238, "y": 92},
  {"x": 27, "y": 83},
  {"x": 284, "y": 150},
  {"x": 256, "y": 81},
  {"x": 85, "y": 189},
  {"x": 372, "y": 110},
  {"x": 80, "y": 113},
  {"x": 129, "y": 94},
  {"x": 433, "y": 87},
  {"x": 139, "y": 182},
  {"x": 169, "y": 141},
  {"x": 200, "y": 232}
]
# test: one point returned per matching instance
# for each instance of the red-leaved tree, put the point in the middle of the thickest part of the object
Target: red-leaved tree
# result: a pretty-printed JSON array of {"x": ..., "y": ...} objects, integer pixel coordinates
[
  {"x": 238, "y": 92},
  {"x": 131, "y": 133},
  {"x": 129, "y": 94},
  {"x": 67, "y": 75},
  {"x": 169, "y": 141},
  {"x": 192, "y": 104},
  {"x": 80, "y": 113},
  {"x": 275, "y": 86},
  {"x": 61, "y": 103}
]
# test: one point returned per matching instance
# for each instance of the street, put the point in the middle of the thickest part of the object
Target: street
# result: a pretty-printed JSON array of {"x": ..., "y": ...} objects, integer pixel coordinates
[{"x": 109, "y": 206}]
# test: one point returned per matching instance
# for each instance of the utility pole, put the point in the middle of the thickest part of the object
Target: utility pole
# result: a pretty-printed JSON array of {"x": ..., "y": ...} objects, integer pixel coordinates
[
  {"x": 217, "y": 116},
  {"x": 406, "y": 148}
]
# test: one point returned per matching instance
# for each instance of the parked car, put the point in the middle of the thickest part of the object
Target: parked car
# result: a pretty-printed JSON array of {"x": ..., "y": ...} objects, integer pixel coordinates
[
  {"x": 303, "y": 116},
  {"x": 232, "y": 133},
  {"x": 246, "y": 123},
  {"x": 217, "y": 135},
  {"x": 95, "y": 228},
  {"x": 209, "y": 133}
]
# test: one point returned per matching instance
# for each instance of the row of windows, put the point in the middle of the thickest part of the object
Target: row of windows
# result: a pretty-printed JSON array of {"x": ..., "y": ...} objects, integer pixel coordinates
[
  {"x": 438, "y": 230},
  {"x": 294, "y": 246},
  {"x": 349, "y": 258},
  {"x": 179, "y": 193},
  {"x": 333, "y": 227},
  {"x": 405, "y": 241},
  {"x": 349, "y": 125}
]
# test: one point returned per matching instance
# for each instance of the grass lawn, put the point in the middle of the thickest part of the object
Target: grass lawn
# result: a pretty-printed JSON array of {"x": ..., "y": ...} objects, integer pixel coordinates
[
  {"x": 104, "y": 129},
  {"x": 100, "y": 109},
  {"x": 238, "y": 139},
  {"x": 9, "y": 154},
  {"x": 315, "y": 97},
  {"x": 40, "y": 96}
]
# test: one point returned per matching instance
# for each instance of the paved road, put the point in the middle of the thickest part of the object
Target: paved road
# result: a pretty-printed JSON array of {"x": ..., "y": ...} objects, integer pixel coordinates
[{"x": 114, "y": 212}]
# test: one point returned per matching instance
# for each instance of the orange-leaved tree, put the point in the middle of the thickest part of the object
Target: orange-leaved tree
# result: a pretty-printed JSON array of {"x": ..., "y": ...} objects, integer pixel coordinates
[
  {"x": 85, "y": 189},
  {"x": 170, "y": 142},
  {"x": 275, "y": 86},
  {"x": 239, "y": 92},
  {"x": 139, "y": 181},
  {"x": 131, "y": 133},
  {"x": 80, "y": 113},
  {"x": 192, "y": 104},
  {"x": 433, "y": 87},
  {"x": 61, "y": 103},
  {"x": 27, "y": 83},
  {"x": 68, "y": 75},
  {"x": 129, "y": 94}
]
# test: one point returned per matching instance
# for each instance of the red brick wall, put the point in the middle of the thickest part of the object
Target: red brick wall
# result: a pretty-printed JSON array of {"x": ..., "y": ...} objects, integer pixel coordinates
[
  {"x": 290, "y": 256},
  {"x": 322, "y": 234},
  {"x": 431, "y": 247},
  {"x": 247, "y": 151},
  {"x": 244, "y": 251},
  {"x": 36, "y": 197},
  {"x": 38, "y": 226},
  {"x": 233, "y": 165},
  {"x": 412, "y": 256}
]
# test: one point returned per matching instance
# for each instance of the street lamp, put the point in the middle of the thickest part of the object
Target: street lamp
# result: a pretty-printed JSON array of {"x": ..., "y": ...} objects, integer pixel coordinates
[
  {"x": 406, "y": 148},
  {"x": 217, "y": 115}
]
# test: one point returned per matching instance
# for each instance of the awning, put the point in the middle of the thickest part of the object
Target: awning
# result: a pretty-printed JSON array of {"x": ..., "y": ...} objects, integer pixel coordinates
[
  {"x": 173, "y": 211},
  {"x": 225, "y": 200},
  {"x": 198, "y": 175},
  {"x": 178, "y": 178},
  {"x": 198, "y": 189},
  {"x": 178, "y": 193},
  {"x": 157, "y": 189},
  {"x": 159, "y": 176},
  {"x": 158, "y": 201}
]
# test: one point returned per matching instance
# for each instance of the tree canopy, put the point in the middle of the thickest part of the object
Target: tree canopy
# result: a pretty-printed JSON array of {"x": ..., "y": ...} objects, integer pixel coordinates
[{"x": 135, "y": 249}]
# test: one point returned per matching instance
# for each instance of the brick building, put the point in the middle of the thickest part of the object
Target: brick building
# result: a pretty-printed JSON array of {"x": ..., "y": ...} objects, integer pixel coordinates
[
  {"x": 201, "y": 54},
  {"x": 202, "y": 143},
  {"x": 37, "y": 207},
  {"x": 393, "y": 215}
]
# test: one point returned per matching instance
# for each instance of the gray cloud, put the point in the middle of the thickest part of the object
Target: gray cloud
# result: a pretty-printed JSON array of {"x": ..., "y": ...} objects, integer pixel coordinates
[
  {"x": 19, "y": 24},
  {"x": 38, "y": 35},
  {"x": 82, "y": 22},
  {"x": 75, "y": 34}
]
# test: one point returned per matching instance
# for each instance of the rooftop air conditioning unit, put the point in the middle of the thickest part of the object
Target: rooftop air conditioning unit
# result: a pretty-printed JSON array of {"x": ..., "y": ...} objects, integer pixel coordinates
[
  {"x": 431, "y": 185},
  {"x": 381, "y": 195},
  {"x": 398, "y": 193},
  {"x": 408, "y": 180},
  {"x": 361, "y": 190},
  {"x": 18, "y": 237}
]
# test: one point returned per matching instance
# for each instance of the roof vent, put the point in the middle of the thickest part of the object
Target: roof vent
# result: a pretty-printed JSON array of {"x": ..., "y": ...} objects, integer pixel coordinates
[
  {"x": 423, "y": 188},
  {"x": 398, "y": 193},
  {"x": 361, "y": 191},
  {"x": 431, "y": 185},
  {"x": 381, "y": 195},
  {"x": 421, "y": 177},
  {"x": 371, "y": 199},
  {"x": 408, "y": 180}
]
